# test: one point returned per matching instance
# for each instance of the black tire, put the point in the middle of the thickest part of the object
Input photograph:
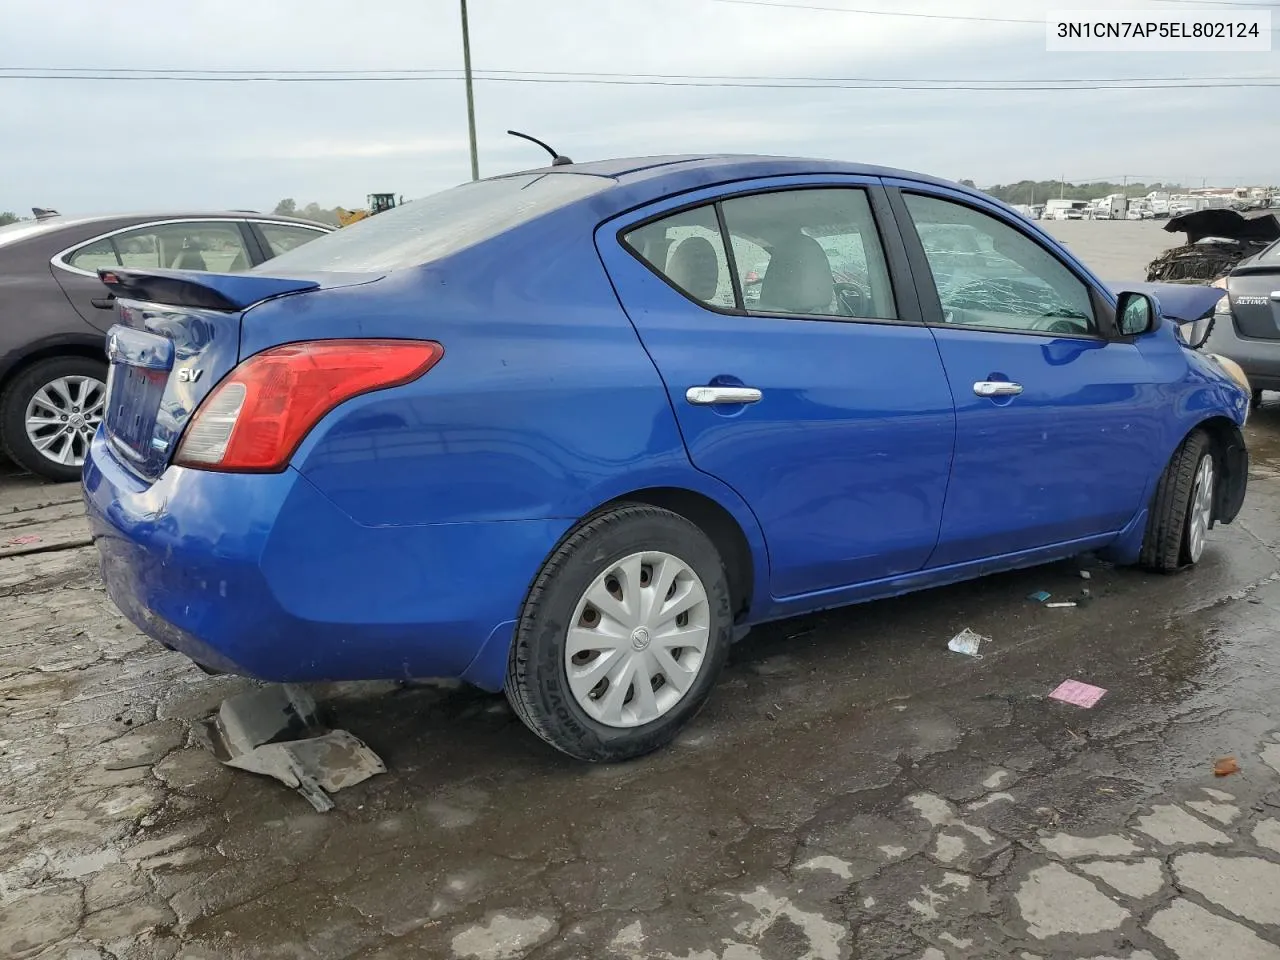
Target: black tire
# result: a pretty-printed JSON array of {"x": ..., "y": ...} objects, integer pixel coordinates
[
  {"x": 13, "y": 413},
  {"x": 1257, "y": 398},
  {"x": 1164, "y": 544},
  {"x": 537, "y": 685}
]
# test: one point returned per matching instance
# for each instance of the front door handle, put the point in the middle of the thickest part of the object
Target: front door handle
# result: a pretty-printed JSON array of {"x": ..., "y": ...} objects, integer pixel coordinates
[
  {"x": 706, "y": 396},
  {"x": 997, "y": 388}
]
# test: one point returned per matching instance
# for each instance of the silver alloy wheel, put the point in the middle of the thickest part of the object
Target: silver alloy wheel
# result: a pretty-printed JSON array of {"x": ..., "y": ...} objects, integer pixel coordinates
[
  {"x": 638, "y": 639},
  {"x": 63, "y": 416},
  {"x": 1201, "y": 508}
]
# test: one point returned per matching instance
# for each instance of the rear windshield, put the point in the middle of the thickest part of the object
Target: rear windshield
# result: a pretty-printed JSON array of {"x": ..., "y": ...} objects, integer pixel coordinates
[{"x": 424, "y": 230}]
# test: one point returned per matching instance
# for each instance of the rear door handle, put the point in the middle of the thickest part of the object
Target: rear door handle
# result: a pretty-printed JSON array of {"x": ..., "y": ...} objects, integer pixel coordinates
[
  {"x": 707, "y": 396},
  {"x": 997, "y": 388}
]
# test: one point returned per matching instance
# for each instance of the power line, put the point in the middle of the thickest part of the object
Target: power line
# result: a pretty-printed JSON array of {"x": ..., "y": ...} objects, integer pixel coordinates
[
  {"x": 445, "y": 72},
  {"x": 1221, "y": 3},
  {"x": 779, "y": 5},
  {"x": 967, "y": 86},
  {"x": 878, "y": 13}
]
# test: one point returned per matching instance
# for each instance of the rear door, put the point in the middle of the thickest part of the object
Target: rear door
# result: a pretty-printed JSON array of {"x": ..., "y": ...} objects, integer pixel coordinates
[
  {"x": 214, "y": 246},
  {"x": 1057, "y": 422},
  {"x": 819, "y": 396}
]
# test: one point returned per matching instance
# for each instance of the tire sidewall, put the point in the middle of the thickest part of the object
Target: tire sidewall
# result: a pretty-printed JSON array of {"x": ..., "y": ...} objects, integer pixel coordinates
[
  {"x": 1205, "y": 453},
  {"x": 13, "y": 412},
  {"x": 546, "y": 631}
]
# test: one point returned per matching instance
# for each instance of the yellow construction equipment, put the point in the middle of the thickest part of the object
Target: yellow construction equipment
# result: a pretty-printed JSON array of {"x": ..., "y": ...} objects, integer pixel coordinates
[{"x": 377, "y": 203}]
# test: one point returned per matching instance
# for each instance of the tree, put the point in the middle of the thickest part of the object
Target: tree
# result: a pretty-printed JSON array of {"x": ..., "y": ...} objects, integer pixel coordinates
[
  {"x": 969, "y": 183},
  {"x": 287, "y": 207},
  {"x": 8, "y": 217}
]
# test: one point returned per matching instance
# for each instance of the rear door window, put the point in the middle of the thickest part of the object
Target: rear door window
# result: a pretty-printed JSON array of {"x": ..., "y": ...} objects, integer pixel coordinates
[
  {"x": 799, "y": 252},
  {"x": 810, "y": 252},
  {"x": 688, "y": 251},
  {"x": 211, "y": 245}
]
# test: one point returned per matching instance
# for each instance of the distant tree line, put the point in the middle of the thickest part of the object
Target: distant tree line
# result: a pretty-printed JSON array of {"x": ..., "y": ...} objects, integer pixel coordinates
[
  {"x": 1038, "y": 191},
  {"x": 8, "y": 217},
  {"x": 288, "y": 207}
]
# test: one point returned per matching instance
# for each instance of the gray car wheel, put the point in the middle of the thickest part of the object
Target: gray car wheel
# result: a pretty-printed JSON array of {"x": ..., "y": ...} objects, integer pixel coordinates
[{"x": 49, "y": 414}]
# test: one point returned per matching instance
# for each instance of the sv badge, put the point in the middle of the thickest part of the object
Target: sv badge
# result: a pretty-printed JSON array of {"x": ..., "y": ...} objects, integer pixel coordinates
[{"x": 189, "y": 375}]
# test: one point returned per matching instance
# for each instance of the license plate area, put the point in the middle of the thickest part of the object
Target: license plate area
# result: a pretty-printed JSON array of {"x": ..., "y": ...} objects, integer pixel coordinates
[{"x": 136, "y": 380}]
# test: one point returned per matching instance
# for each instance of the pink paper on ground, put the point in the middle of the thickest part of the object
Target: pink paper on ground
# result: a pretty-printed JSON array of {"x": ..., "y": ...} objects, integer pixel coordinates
[{"x": 1080, "y": 694}]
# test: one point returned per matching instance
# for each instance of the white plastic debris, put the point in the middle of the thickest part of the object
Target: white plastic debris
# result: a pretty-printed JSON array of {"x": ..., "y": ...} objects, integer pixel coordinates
[
  {"x": 967, "y": 642},
  {"x": 1068, "y": 603},
  {"x": 275, "y": 731}
]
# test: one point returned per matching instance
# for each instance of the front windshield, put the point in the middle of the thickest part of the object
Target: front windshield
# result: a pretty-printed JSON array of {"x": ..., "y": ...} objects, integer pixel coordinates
[{"x": 424, "y": 230}]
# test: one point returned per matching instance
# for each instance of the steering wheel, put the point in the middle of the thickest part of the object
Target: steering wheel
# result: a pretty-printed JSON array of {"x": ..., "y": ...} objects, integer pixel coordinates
[
  {"x": 853, "y": 299},
  {"x": 1063, "y": 326}
]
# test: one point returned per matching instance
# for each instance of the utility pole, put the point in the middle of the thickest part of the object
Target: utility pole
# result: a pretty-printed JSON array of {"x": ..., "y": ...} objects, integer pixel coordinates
[
  {"x": 471, "y": 102},
  {"x": 1062, "y": 189}
]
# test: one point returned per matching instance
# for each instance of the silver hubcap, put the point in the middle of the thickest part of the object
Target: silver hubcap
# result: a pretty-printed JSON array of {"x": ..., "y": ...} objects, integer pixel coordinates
[
  {"x": 63, "y": 416},
  {"x": 638, "y": 639},
  {"x": 1201, "y": 508}
]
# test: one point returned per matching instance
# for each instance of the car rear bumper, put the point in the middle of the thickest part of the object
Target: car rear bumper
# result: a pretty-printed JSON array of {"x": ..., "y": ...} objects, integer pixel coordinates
[
  {"x": 262, "y": 575},
  {"x": 1259, "y": 359}
]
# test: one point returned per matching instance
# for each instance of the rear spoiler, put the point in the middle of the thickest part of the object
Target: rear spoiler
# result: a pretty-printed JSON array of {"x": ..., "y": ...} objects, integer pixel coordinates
[{"x": 228, "y": 292}]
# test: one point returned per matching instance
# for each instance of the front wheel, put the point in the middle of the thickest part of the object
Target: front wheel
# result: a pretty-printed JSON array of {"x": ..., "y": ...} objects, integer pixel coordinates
[
  {"x": 1182, "y": 510},
  {"x": 622, "y": 636},
  {"x": 49, "y": 413}
]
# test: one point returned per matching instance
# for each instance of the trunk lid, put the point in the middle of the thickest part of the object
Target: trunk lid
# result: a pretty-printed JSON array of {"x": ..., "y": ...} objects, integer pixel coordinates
[
  {"x": 1255, "y": 303},
  {"x": 177, "y": 334}
]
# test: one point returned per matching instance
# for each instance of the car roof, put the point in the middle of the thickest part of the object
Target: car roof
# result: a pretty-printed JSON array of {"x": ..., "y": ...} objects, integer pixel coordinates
[
  {"x": 145, "y": 215},
  {"x": 669, "y": 174},
  {"x": 94, "y": 224}
]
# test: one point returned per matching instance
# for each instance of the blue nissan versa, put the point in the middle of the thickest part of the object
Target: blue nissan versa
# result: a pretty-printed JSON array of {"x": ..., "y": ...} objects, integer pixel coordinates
[{"x": 529, "y": 432}]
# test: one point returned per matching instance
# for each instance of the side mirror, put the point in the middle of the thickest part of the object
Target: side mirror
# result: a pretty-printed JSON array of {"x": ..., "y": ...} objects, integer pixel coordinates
[{"x": 1136, "y": 314}]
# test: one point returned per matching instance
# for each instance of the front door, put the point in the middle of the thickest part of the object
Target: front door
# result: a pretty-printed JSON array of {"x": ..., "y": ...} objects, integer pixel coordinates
[
  {"x": 798, "y": 374},
  {"x": 1056, "y": 422}
]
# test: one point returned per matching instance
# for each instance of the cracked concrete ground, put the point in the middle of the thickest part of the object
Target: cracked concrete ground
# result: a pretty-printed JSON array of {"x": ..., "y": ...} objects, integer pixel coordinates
[{"x": 853, "y": 790}]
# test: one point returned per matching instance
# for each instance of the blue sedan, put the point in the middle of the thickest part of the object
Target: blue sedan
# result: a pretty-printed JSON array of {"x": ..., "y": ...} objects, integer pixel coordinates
[{"x": 532, "y": 432}]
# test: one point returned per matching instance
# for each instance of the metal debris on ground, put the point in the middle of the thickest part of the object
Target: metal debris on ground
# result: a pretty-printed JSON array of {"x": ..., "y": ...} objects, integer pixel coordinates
[
  {"x": 1077, "y": 693},
  {"x": 1040, "y": 596},
  {"x": 275, "y": 731},
  {"x": 967, "y": 642},
  {"x": 1226, "y": 766}
]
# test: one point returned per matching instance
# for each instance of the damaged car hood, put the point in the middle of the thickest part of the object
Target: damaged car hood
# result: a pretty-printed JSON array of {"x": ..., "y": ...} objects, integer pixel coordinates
[{"x": 1225, "y": 224}]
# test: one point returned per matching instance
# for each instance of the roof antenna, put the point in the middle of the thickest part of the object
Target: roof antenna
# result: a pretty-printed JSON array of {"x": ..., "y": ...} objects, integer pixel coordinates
[{"x": 556, "y": 159}]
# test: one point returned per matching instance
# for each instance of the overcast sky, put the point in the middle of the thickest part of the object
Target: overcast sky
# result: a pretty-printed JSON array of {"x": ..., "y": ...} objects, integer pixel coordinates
[{"x": 96, "y": 146}]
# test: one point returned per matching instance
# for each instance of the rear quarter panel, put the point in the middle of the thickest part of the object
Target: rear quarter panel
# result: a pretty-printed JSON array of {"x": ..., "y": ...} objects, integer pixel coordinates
[{"x": 545, "y": 404}]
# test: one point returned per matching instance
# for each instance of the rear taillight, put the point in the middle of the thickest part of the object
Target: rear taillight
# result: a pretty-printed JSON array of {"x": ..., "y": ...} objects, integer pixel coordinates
[{"x": 254, "y": 420}]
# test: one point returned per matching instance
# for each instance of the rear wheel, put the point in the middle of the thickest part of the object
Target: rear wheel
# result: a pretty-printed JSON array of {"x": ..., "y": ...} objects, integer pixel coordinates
[
  {"x": 622, "y": 636},
  {"x": 1182, "y": 510},
  {"x": 49, "y": 413}
]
